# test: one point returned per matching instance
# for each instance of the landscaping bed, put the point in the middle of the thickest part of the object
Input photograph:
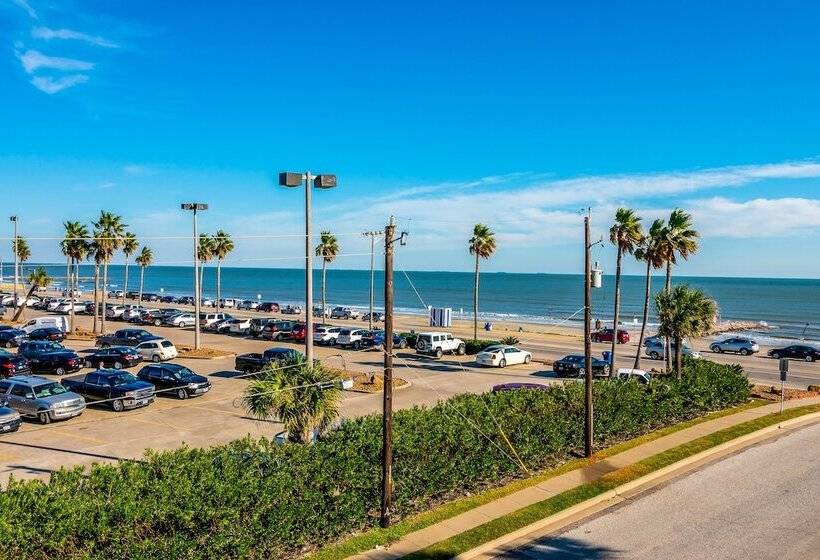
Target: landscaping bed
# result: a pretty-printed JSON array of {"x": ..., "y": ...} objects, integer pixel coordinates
[{"x": 203, "y": 353}]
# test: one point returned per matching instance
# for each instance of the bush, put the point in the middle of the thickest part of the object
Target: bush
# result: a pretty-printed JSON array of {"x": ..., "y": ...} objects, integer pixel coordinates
[
  {"x": 476, "y": 346},
  {"x": 254, "y": 499},
  {"x": 411, "y": 338},
  {"x": 511, "y": 340}
]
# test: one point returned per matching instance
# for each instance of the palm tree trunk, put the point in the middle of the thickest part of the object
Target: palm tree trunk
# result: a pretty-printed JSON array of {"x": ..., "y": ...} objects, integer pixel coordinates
[
  {"x": 616, "y": 312},
  {"x": 645, "y": 313},
  {"x": 324, "y": 292},
  {"x": 475, "y": 301},
  {"x": 70, "y": 284},
  {"x": 125, "y": 282},
  {"x": 104, "y": 296},
  {"x": 201, "y": 281},
  {"x": 668, "y": 288},
  {"x": 96, "y": 294},
  {"x": 142, "y": 279},
  {"x": 218, "y": 281},
  {"x": 678, "y": 357},
  {"x": 67, "y": 276},
  {"x": 25, "y": 303}
]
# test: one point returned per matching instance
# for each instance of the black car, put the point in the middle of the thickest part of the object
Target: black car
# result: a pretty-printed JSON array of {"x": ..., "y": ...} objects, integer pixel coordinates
[
  {"x": 255, "y": 361},
  {"x": 796, "y": 352},
  {"x": 169, "y": 299},
  {"x": 268, "y": 307},
  {"x": 574, "y": 366},
  {"x": 47, "y": 333},
  {"x": 125, "y": 337},
  {"x": 11, "y": 364},
  {"x": 174, "y": 379},
  {"x": 116, "y": 357},
  {"x": 185, "y": 300},
  {"x": 121, "y": 390},
  {"x": 12, "y": 337},
  {"x": 49, "y": 357},
  {"x": 150, "y": 297}
]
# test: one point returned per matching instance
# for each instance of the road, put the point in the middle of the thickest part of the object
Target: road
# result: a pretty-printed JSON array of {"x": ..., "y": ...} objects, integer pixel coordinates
[{"x": 762, "y": 503}]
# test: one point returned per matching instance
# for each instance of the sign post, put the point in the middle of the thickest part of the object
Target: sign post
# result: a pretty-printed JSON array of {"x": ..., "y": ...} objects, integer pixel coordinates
[{"x": 784, "y": 371}]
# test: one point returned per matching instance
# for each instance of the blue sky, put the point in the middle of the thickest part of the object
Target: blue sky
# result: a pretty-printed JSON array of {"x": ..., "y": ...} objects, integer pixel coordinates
[{"x": 442, "y": 113}]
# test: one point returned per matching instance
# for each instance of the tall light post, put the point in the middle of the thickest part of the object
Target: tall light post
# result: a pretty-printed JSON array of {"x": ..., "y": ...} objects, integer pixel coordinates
[
  {"x": 372, "y": 235},
  {"x": 13, "y": 220},
  {"x": 289, "y": 179},
  {"x": 195, "y": 207}
]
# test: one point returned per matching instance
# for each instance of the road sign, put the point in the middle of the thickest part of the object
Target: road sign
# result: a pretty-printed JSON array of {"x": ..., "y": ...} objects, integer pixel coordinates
[{"x": 784, "y": 368}]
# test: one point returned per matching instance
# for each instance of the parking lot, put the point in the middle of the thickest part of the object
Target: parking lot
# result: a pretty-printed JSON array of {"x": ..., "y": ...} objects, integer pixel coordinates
[{"x": 100, "y": 434}]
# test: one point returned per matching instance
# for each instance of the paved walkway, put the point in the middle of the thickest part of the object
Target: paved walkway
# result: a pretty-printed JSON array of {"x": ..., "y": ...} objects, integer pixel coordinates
[{"x": 558, "y": 484}]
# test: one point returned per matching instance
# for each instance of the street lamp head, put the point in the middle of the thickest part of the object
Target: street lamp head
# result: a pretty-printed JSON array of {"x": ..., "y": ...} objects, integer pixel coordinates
[
  {"x": 287, "y": 179},
  {"x": 324, "y": 181},
  {"x": 194, "y": 206},
  {"x": 12, "y": 218}
]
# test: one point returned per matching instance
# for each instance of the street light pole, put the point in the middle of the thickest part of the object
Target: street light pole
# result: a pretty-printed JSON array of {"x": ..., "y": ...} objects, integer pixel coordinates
[
  {"x": 587, "y": 343},
  {"x": 16, "y": 262},
  {"x": 372, "y": 235},
  {"x": 195, "y": 207}
]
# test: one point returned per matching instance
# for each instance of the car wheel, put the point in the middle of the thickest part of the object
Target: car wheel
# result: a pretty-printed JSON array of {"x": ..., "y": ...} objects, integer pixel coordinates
[
  {"x": 117, "y": 406},
  {"x": 182, "y": 394},
  {"x": 462, "y": 349},
  {"x": 809, "y": 358},
  {"x": 105, "y": 345},
  {"x": 117, "y": 365},
  {"x": 439, "y": 353},
  {"x": 44, "y": 417},
  {"x": 744, "y": 352},
  {"x": 156, "y": 358},
  {"x": 88, "y": 364},
  {"x": 527, "y": 359},
  {"x": 581, "y": 372},
  {"x": 357, "y": 345},
  {"x": 502, "y": 363},
  {"x": 100, "y": 365},
  {"x": 9, "y": 344},
  {"x": 606, "y": 370},
  {"x": 776, "y": 355},
  {"x": 60, "y": 371},
  {"x": 157, "y": 323},
  {"x": 716, "y": 349},
  {"x": 403, "y": 344},
  {"x": 654, "y": 355}
]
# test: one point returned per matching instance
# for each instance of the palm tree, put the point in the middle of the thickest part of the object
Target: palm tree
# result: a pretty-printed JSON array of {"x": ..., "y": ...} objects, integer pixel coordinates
[
  {"x": 626, "y": 233},
  {"x": 649, "y": 253},
  {"x": 144, "y": 260},
  {"x": 38, "y": 278},
  {"x": 482, "y": 245},
  {"x": 205, "y": 251},
  {"x": 129, "y": 247},
  {"x": 96, "y": 251},
  {"x": 76, "y": 247},
  {"x": 23, "y": 253},
  {"x": 223, "y": 245},
  {"x": 328, "y": 249},
  {"x": 302, "y": 396},
  {"x": 679, "y": 238},
  {"x": 111, "y": 230},
  {"x": 684, "y": 312}
]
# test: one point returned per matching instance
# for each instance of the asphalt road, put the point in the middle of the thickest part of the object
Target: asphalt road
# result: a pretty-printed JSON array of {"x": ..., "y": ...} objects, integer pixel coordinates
[{"x": 762, "y": 503}]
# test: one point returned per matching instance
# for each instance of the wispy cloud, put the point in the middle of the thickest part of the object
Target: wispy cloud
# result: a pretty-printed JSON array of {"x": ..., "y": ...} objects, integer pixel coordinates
[
  {"x": 71, "y": 35},
  {"x": 139, "y": 170},
  {"x": 33, "y": 60},
  {"x": 27, "y": 7},
  {"x": 51, "y": 85}
]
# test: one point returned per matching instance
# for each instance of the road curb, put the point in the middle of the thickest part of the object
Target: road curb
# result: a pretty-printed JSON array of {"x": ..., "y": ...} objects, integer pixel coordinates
[{"x": 612, "y": 497}]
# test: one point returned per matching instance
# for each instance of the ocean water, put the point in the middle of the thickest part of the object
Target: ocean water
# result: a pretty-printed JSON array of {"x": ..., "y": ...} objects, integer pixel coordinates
[{"x": 790, "y": 306}]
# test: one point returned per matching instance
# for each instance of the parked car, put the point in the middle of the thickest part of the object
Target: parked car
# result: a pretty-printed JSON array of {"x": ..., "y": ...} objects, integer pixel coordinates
[
  {"x": 169, "y": 299},
  {"x": 268, "y": 307},
  {"x": 11, "y": 338},
  {"x": 10, "y": 419},
  {"x": 351, "y": 338},
  {"x": 117, "y": 357},
  {"x": 258, "y": 324},
  {"x": 796, "y": 352},
  {"x": 376, "y": 339},
  {"x": 47, "y": 333},
  {"x": 125, "y": 337},
  {"x": 321, "y": 313},
  {"x": 49, "y": 357},
  {"x": 206, "y": 319},
  {"x": 54, "y": 303},
  {"x": 12, "y": 364},
  {"x": 41, "y": 398},
  {"x": 249, "y": 304},
  {"x": 133, "y": 313},
  {"x": 438, "y": 343},
  {"x": 502, "y": 355},
  {"x": 639, "y": 375},
  {"x": 377, "y": 316},
  {"x": 239, "y": 326},
  {"x": 157, "y": 350},
  {"x": 254, "y": 361},
  {"x": 739, "y": 345},
  {"x": 298, "y": 332},
  {"x": 344, "y": 313},
  {"x": 326, "y": 335},
  {"x": 149, "y": 317},
  {"x": 605, "y": 335},
  {"x": 181, "y": 320},
  {"x": 174, "y": 379},
  {"x": 132, "y": 295},
  {"x": 185, "y": 300},
  {"x": 150, "y": 297},
  {"x": 574, "y": 365},
  {"x": 65, "y": 308},
  {"x": 291, "y": 310},
  {"x": 655, "y": 349},
  {"x": 116, "y": 294},
  {"x": 40, "y": 322},
  {"x": 121, "y": 390},
  {"x": 278, "y": 330},
  {"x": 227, "y": 303}
]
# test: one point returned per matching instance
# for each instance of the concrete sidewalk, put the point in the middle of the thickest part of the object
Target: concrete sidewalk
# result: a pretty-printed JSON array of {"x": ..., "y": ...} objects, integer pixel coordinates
[{"x": 561, "y": 483}]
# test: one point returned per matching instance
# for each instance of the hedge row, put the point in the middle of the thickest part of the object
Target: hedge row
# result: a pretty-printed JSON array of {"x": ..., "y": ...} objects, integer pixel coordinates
[{"x": 254, "y": 499}]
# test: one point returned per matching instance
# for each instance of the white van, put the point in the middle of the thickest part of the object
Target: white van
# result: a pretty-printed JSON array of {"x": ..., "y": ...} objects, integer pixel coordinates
[{"x": 58, "y": 322}]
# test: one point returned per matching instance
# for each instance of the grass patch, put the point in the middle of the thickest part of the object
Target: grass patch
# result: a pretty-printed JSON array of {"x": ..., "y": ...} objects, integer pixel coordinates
[
  {"x": 504, "y": 525},
  {"x": 376, "y": 537}
]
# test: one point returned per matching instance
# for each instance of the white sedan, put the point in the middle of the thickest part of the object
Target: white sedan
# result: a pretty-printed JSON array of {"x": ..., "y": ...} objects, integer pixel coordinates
[
  {"x": 240, "y": 326},
  {"x": 502, "y": 355}
]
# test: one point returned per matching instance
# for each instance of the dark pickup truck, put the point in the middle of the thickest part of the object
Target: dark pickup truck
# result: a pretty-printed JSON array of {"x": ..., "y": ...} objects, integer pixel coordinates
[
  {"x": 253, "y": 362},
  {"x": 121, "y": 390},
  {"x": 125, "y": 337},
  {"x": 49, "y": 357},
  {"x": 10, "y": 364}
]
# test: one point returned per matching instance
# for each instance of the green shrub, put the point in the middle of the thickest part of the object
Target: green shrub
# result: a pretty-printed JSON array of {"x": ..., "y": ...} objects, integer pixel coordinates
[
  {"x": 511, "y": 340},
  {"x": 476, "y": 346},
  {"x": 411, "y": 338},
  {"x": 254, "y": 499}
]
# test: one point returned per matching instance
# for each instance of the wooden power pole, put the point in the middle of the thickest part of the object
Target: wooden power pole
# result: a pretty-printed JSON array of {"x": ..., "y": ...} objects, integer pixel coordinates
[
  {"x": 387, "y": 401},
  {"x": 587, "y": 342}
]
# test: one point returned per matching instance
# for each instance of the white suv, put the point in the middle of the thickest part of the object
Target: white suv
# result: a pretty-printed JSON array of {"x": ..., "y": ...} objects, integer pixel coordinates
[
  {"x": 437, "y": 343},
  {"x": 157, "y": 350},
  {"x": 350, "y": 337},
  {"x": 326, "y": 335}
]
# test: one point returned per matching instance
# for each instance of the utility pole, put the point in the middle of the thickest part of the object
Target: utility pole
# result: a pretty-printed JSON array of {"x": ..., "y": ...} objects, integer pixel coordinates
[
  {"x": 16, "y": 261},
  {"x": 372, "y": 235},
  {"x": 195, "y": 207},
  {"x": 587, "y": 342},
  {"x": 387, "y": 401}
]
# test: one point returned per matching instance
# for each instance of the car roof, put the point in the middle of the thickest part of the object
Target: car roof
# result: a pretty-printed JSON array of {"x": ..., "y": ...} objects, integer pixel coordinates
[{"x": 28, "y": 379}]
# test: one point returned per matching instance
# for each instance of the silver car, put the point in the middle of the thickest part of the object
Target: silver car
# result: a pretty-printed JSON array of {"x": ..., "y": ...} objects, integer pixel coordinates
[
  {"x": 41, "y": 398},
  {"x": 655, "y": 349},
  {"x": 742, "y": 346}
]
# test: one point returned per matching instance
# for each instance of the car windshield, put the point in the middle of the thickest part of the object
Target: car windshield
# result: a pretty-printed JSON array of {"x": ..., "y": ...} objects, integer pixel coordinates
[
  {"x": 121, "y": 379},
  {"x": 182, "y": 373},
  {"x": 492, "y": 349},
  {"x": 49, "y": 390},
  {"x": 52, "y": 347}
]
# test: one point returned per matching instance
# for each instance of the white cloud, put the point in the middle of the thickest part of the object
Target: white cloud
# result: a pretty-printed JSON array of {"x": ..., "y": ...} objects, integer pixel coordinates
[
  {"x": 757, "y": 218},
  {"x": 69, "y": 34},
  {"x": 51, "y": 85},
  {"x": 33, "y": 60},
  {"x": 27, "y": 7}
]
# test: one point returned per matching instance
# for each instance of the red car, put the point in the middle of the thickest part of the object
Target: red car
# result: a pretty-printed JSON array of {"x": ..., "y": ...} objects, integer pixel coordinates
[
  {"x": 298, "y": 332},
  {"x": 605, "y": 335}
]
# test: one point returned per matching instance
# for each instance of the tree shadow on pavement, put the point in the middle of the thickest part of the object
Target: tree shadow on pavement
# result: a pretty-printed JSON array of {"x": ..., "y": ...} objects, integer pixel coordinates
[{"x": 547, "y": 548}]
